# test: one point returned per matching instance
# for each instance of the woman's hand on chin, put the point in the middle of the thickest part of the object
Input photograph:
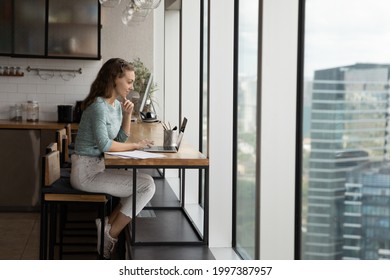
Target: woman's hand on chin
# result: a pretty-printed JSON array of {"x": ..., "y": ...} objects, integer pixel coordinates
[{"x": 127, "y": 107}]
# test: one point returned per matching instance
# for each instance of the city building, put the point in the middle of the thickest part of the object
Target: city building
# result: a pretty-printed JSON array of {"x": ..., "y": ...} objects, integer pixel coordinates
[{"x": 349, "y": 127}]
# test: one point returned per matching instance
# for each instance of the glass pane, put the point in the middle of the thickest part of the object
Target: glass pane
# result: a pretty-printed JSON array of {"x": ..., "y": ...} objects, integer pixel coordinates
[
  {"x": 346, "y": 172},
  {"x": 6, "y": 26},
  {"x": 204, "y": 85},
  {"x": 204, "y": 78},
  {"x": 29, "y": 32},
  {"x": 246, "y": 128},
  {"x": 73, "y": 28}
]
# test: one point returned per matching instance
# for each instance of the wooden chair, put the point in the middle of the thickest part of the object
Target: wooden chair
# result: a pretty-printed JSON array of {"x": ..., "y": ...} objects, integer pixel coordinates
[
  {"x": 65, "y": 144},
  {"x": 68, "y": 128},
  {"x": 51, "y": 147},
  {"x": 57, "y": 191},
  {"x": 63, "y": 147},
  {"x": 71, "y": 136}
]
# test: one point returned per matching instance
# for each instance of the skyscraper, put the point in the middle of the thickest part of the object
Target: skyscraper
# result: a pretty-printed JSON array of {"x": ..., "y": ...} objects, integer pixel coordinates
[
  {"x": 348, "y": 128},
  {"x": 366, "y": 225}
]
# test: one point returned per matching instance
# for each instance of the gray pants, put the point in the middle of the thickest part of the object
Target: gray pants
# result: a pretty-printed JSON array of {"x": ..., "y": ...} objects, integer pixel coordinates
[{"x": 89, "y": 174}]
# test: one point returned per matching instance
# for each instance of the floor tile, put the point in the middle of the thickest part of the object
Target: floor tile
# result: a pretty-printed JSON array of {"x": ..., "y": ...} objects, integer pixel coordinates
[
  {"x": 19, "y": 240},
  {"x": 16, "y": 235}
]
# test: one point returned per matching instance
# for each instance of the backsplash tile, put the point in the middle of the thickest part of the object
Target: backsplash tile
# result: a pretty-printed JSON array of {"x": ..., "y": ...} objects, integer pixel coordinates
[{"x": 49, "y": 92}]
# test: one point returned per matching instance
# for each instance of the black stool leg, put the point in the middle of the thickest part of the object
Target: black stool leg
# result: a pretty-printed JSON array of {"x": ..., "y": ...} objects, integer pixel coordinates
[
  {"x": 43, "y": 233},
  {"x": 53, "y": 229},
  {"x": 63, "y": 220}
]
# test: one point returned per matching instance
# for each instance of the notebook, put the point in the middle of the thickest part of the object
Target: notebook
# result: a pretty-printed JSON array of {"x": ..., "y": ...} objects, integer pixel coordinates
[{"x": 170, "y": 149}]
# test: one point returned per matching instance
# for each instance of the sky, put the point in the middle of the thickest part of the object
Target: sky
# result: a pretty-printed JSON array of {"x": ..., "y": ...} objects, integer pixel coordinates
[
  {"x": 345, "y": 32},
  {"x": 248, "y": 31}
]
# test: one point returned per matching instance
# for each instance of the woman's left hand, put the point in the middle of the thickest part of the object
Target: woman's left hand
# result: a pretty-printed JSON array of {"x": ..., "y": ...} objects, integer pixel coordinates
[{"x": 127, "y": 107}]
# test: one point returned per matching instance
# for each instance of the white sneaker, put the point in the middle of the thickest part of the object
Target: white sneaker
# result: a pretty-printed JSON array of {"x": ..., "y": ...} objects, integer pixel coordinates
[
  {"x": 109, "y": 242},
  {"x": 99, "y": 227}
]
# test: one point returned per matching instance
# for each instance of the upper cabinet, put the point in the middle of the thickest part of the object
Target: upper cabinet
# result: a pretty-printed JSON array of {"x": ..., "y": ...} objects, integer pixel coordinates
[
  {"x": 51, "y": 28},
  {"x": 29, "y": 27},
  {"x": 73, "y": 28},
  {"x": 6, "y": 26}
]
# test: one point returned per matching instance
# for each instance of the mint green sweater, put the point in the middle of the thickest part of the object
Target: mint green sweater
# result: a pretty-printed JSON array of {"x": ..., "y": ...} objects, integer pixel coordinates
[{"x": 100, "y": 124}]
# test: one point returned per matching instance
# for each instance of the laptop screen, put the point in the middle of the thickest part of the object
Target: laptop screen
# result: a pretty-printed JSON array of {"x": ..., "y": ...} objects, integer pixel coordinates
[{"x": 181, "y": 131}]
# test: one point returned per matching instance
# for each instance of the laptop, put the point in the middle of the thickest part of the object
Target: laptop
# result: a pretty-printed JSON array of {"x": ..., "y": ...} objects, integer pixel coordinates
[{"x": 170, "y": 149}]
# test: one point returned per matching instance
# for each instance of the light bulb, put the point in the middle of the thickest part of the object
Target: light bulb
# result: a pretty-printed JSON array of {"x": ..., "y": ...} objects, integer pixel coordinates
[
  {"x": 127, "y": 14},
  {"x": 109, "y": 3},
  {"x": 139, "y": 3},
  {"x": 147, "y": 4}
]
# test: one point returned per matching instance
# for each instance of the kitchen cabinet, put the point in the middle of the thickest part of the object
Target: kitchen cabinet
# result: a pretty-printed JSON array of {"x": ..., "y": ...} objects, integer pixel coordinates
[
  {"x": 29, "y": 27},
  {"x": 5, "y": 26},
  {"x": 73, "y": 28},
  {"x": 50, "y": 28},
  {"x": 22, "y": 144},
  {"x": 20, "y": 166}
]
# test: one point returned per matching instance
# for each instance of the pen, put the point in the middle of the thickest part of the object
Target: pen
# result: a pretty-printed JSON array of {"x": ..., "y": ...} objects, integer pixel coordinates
[{"x": 164, "y": 126}]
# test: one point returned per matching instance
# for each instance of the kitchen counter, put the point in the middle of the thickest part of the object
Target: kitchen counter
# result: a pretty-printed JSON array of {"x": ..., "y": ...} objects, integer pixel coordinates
[
  {"x": 22, "y": 145},
  {"x": 7, "y": 124}
]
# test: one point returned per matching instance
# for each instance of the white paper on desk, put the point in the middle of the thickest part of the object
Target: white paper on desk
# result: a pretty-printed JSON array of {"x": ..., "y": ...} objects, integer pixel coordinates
[{"x": 136, "y": 154}]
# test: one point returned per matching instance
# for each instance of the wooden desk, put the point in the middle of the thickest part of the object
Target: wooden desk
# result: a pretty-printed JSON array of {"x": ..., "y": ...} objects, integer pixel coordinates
[{"x": 186, "y": 158}]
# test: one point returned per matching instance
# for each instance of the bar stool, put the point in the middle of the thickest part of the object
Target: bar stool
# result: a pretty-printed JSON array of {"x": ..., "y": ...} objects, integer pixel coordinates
[
  {"x": 57, "y": 191},
  {"x": 63, "y": 147},
  {"x": 69, "y": 135}
]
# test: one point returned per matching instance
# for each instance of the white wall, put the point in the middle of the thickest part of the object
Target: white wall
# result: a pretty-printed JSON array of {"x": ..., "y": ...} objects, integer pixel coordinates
[
  {"x": 220, "y": 121},
  {"x": 49, "y": 93},
  {"x": 190, "y": 67},
  {"x": 172, "y": 66},
  {"x": 278, "y": 119},
  {"x": 159, "y": 58},
  {"x": 190, "y": 85},
  {"x": 127, "y": 42}
]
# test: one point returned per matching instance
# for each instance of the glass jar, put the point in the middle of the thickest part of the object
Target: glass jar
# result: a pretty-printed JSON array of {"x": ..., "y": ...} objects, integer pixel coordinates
[
  {"x": 18, "y": 112},
  {"x": 12, "y": 113},
  {"x": 32, "y": 111}
]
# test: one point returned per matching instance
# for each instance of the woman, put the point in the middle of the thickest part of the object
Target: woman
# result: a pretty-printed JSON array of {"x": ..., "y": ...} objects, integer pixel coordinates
[{"x": 105, "y": 126}]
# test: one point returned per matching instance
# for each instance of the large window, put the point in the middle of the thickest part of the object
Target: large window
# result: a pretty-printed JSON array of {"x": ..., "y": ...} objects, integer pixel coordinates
[
  {"x": 345, "y": 168},
  {"x": 204, "y": 40},
  {"x": 246, "y": 99}
]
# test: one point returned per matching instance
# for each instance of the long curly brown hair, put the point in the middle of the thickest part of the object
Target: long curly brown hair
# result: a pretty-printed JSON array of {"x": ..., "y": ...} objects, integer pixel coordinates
[{"x": 105, "y": 80}]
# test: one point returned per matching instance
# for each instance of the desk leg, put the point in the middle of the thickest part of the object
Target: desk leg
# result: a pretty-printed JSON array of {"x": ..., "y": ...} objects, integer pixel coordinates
[
  {"x": 206, "y": 207},
  {"x": 134, "y": 206},
  {"x": 182, "y": 187}
]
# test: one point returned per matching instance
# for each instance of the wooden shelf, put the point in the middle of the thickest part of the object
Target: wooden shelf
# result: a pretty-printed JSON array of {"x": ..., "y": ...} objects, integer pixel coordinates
[
  {"x": 8, "y": 124},
  {"x": 12, "y": 75}
]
